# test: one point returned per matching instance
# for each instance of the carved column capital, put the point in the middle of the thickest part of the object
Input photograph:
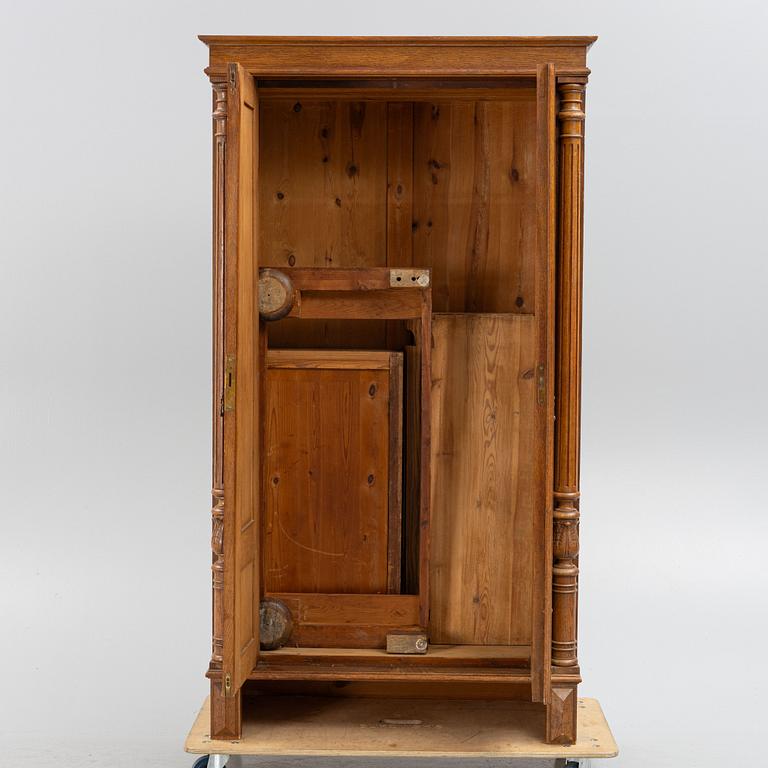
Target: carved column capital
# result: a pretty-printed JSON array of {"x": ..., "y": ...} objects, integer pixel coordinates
[{"x": 571, "y": 113}]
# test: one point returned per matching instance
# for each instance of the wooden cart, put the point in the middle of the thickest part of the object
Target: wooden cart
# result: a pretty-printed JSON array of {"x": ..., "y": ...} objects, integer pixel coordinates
[{"x": 311, "y": 727}]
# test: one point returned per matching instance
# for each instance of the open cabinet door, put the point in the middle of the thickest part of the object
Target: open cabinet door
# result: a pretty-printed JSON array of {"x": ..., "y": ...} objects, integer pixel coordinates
[{"x": 240, "y": 367}]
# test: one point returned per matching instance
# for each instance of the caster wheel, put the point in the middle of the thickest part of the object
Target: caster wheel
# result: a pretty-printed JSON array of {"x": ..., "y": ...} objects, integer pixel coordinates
[{"x": 201, "y": 762}]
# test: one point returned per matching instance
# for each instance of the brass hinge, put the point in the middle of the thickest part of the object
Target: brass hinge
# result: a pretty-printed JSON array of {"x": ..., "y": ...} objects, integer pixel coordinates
[
  {"x": 227, "y": 685},
  {"x": 228, "y": 400},
  {"x": 541, "y": 384}
]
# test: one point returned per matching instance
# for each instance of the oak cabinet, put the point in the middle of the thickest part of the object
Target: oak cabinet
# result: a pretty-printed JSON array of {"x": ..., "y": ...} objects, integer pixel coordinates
[{"x": 397, "y": 257}]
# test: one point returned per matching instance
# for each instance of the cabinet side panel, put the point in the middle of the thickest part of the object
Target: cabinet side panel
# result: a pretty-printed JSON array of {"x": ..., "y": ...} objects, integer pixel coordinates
[
  {"x": 474, "y": 174},
  {"x": 483, "y": 401}
]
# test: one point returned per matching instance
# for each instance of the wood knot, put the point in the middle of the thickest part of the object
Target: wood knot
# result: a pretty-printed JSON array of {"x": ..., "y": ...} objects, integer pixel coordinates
[
  {"x": 291, "y": 260},
  {"x": 514, "y": 175},
  {"x": 351, "y": 170},
  {"x": 372, "y": 390},
  {"x": 280, "y": 195},
  {"x": 297, "y": 107}
]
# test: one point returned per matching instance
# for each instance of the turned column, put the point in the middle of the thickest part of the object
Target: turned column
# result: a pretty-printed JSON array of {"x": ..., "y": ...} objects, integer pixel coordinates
[
  {"x": 561, "y": 719},
  {"x": 565, "y": 539}
]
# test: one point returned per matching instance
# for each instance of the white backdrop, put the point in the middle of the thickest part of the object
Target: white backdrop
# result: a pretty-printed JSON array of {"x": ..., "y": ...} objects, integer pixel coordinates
[{"x": 105, "y": 349}]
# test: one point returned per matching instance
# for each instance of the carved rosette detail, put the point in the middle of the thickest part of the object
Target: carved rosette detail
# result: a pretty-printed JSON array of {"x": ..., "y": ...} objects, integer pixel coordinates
[
  {"x": 565, "y": 534},
  {"x": 217, "y": 580}
]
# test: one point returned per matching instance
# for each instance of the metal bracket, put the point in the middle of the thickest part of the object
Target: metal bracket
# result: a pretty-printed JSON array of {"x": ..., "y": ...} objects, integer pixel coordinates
[
  {"x": 541, "y": 384},
  {"x": 408, "y": 278},
  {"x": 229, "y": 385}
]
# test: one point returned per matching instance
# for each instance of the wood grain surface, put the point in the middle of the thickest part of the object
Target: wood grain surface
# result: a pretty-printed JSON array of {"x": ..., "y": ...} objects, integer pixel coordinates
[
  {"x": 328, "y": 470},
  {"x": 474, "y": 209},
  {"x": 398, "y": 56},
  {"x": 348, "y": 620},
  {"x": 482, "y": 483},
  {"x": 323, "y": 183}
]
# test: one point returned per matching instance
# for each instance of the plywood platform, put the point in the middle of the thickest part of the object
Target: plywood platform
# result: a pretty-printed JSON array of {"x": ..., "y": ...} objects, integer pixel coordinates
[{"x": 303, "y": 725}]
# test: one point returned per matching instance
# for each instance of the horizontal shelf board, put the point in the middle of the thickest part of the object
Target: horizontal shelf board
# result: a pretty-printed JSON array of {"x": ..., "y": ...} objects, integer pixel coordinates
[
  {"x": 484, "y": 656},
  {"x": 315, "y": 359},
  {"x": 402, "y": 673}
]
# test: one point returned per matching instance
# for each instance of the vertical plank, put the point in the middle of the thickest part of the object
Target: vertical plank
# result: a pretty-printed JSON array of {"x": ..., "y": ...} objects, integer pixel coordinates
[
  {"x": 546, "y": 187},
  {"x": 412, "y": 469},
  {"x": 395, "y": 527},
  {"x": 474, "y": 203},
  {"x": 443, "y": 166},
  {"x": 399, "y": 184},
  {"x": 482, "y": 548},
  {"x": 425, "y": 342}
]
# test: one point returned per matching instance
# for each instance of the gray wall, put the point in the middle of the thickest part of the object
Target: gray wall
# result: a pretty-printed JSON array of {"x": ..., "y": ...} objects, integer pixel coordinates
[{"x": 105, "y": 350}]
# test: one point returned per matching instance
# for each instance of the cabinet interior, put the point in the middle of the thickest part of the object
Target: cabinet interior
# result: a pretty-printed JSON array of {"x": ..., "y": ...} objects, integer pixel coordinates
[{"x": 400, "y": 174}]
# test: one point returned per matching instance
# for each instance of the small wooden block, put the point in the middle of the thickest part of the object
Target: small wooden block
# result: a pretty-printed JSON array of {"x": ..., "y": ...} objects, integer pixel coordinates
[
  {"x": 275, "y": 624},
  {"x": 410, "y": 642},
  {"x": 276, "y": 294}
]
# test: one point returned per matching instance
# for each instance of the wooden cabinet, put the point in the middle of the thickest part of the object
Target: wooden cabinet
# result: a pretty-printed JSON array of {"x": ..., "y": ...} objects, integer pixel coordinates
[{"x": 397, "y": 232}]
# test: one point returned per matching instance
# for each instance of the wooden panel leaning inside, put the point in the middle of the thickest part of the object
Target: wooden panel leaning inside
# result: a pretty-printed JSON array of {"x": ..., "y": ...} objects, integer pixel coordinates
[{"x": 397, "y": 285}]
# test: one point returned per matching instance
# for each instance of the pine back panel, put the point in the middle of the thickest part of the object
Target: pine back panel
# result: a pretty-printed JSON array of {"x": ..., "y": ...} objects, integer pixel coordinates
[{"x": 483, "y": 410}]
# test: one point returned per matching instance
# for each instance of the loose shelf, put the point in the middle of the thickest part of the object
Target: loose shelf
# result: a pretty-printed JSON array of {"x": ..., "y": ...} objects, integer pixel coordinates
[{"x": 443, "y": 663}]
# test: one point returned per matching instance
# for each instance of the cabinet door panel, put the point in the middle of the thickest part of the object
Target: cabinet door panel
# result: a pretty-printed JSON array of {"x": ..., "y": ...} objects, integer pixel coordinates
[
  {"x": 333, "y": 466},
  {"x": 242, "y": 383}
]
